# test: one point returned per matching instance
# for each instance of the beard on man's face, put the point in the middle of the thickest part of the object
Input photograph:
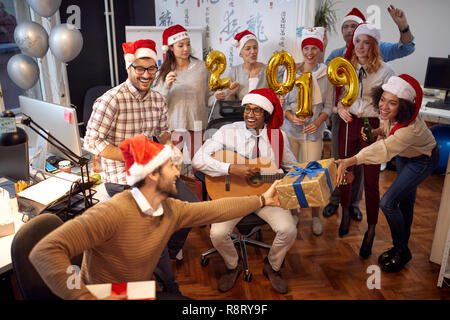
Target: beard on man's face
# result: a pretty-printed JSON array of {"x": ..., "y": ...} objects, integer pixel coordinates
[{"x": 167, "y": 187}]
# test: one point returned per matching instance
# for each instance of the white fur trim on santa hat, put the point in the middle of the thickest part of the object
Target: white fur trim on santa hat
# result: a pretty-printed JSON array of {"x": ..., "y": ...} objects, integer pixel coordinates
[
  {"x": 140, "y": 53},
  {"x": 352, "y": 18},
  {"x": 258, "y": 100},
  {"x": 400, "y": 87},
  {"x": 139, "y": 171},
  {"x": 244, "y": 40},
  {"x": 368, "y": 29}
]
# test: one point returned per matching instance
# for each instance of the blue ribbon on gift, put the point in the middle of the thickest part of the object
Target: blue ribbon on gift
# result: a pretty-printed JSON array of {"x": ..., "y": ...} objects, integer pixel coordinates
[{"x": 310, "y": 171}]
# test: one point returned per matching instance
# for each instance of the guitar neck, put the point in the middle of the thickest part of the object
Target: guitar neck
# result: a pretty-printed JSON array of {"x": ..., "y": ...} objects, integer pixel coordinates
[{"x": 269, "y": 178}]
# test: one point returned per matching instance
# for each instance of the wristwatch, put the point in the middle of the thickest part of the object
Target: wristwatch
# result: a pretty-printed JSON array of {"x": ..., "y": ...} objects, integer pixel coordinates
[{"x": 405, "y": 30}]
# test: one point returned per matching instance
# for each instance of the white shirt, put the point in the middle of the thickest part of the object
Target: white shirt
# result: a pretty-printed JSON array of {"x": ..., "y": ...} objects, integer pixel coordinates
[
  {"x": 144, "y": 205},
  {"x": 363, "y": 106},
  {"x": 236, "y": 137}
]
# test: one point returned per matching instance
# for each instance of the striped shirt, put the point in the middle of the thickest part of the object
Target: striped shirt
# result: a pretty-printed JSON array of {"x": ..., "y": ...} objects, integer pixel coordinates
[{"x": 119, "y": 114}]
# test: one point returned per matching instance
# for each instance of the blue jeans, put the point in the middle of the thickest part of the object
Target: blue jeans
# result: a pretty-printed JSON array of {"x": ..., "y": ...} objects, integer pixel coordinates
[{"x": 397, "y": 203}]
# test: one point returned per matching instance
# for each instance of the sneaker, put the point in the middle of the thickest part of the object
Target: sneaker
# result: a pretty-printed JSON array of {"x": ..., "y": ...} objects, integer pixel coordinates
[
  {"x": 276, "y": 280},
  {"x": 227, "y": 280},
  {"x": 317, "y": 227}
]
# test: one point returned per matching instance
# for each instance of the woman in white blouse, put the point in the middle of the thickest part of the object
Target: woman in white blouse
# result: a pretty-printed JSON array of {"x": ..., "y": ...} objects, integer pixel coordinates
[
  {"x": 364, "y": 54},
  {"x": 247, "y": 76}
]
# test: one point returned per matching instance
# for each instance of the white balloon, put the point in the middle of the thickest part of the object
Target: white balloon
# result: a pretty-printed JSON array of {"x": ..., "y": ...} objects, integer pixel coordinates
[
  {"x": 44, "y": 8},
  {"x": 23, "y": 71},
  {"x": 66, "y": 42},
  {"x": 31, "y": 38}
]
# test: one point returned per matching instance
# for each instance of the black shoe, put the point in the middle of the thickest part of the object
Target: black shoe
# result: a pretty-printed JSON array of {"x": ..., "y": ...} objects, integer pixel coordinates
[
  {"x": 343, "y": 231},
  {"x": 386, "y": 256},
  {"x": 275, "y": 277},
  {"x": 397, "y": 261},
  {"x": 329, "y": 210},
  {"x": 228, "y": 279},
  {"x": 345, "y": 222},
  {"x": 366, "y": 246},
  {"x": 355, "y": 213}
]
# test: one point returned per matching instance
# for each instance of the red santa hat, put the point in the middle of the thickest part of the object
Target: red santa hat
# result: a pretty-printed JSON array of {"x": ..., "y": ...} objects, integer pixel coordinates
[
  {"x": 173, "y": 34},
  {"x": 313, "y": 36},
  {"x": 142, "y": 156},
  {"x": 241, "y": 38},
  {"x": 132, "y": 51},
  {"x": 354, "y": 15},
  {"x": 266, "y": 99},
  {"x": 405, "y": 87}
]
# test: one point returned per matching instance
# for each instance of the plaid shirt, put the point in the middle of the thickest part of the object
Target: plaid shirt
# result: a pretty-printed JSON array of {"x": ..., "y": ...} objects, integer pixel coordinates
[{"x": 119, "y": 114}]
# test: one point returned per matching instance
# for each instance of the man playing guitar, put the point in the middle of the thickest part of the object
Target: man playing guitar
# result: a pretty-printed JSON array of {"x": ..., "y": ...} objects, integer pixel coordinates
[{"x": 257, "y": 137}]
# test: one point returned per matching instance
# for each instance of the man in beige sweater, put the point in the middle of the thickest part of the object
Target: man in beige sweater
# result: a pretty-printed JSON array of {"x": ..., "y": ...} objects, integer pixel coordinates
[{"x": 122, "y": 238}]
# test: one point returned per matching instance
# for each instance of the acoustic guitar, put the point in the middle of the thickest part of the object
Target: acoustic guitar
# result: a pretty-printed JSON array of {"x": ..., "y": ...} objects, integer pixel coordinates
[{"x": 234, "y": 186}]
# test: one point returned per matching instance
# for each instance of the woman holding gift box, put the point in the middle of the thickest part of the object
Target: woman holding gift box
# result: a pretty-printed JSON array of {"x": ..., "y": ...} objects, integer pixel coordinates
[
  {"x": 249, "y": 75},
  {"x": 403, "y": 135},
  {"x": 364, "y": 54},
  {"x": 305, "y": 135}
]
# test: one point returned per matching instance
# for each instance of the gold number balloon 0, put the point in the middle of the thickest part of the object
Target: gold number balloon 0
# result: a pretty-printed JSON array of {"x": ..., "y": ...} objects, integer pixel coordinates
[
  {"x": 304, "y": 96},
  {"x": 217, "y": 63},
  {"x": 280, "y": 59},
  {"x": 340, "y": 72}
]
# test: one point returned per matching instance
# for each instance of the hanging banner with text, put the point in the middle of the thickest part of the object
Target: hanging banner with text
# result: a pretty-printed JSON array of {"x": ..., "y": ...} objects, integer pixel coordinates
[{"x": 273, "y": 22}]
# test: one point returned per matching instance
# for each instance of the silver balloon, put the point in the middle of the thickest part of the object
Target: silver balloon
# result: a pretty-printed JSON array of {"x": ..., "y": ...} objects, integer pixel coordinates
[
  {"x": 23, "y": 71},
  {"x": 66, "y": 42},
  {"x": 31, "y": 38},
  {"x": 44, "y": 8}
]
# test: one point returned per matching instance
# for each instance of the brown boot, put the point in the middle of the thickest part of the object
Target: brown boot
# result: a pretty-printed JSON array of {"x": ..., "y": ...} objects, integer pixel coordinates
[
  {"x": 228, "y": 279},
  {"x": 277, "y": 281}
]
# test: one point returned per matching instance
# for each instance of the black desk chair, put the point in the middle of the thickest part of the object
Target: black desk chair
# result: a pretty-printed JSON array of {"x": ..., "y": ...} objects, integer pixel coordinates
[
  {"x": 248, "y": 226},
  {"x": 30, "y": 283}
]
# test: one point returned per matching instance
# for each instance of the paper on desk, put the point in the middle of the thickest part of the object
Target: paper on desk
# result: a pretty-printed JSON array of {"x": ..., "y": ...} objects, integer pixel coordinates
[
  {"x": 139, "y": 290},
  {"x": 49, "y": 190}
]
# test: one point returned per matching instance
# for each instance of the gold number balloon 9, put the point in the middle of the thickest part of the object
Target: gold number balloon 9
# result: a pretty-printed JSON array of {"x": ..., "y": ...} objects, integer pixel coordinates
[
  {"x": 304, "y": 96},
  {"x": 216, "y": 63},
  {"x": 280, "y": 59},
  {"x": 340, "y": 72}
]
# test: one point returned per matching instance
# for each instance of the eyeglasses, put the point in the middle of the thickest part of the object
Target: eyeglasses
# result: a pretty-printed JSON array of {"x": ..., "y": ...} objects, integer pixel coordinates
[
  {"x": 256, "y": 111},
  {"x": 141, "y": 70}
]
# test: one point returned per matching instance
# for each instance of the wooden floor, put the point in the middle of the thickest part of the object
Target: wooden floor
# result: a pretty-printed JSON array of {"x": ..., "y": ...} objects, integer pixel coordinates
[{"x": 326, "y": 266}]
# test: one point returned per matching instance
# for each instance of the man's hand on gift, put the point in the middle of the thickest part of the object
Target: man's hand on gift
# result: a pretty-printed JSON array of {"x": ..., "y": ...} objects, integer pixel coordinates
[
  {"x": 242, "y": 170},
  {"x": 271, "y": 195}
]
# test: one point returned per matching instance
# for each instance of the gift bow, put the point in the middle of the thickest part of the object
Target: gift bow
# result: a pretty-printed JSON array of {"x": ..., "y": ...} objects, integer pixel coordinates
[{"x": 310, "y": 171}]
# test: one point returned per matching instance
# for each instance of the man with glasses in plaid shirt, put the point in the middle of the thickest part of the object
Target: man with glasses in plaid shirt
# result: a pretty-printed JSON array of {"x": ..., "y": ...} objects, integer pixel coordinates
[{"x": 125, "y": 111}]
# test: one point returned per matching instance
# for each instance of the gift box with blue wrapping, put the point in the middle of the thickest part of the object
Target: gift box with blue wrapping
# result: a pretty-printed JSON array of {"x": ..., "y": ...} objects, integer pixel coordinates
[{"x": 308, "y": 185}]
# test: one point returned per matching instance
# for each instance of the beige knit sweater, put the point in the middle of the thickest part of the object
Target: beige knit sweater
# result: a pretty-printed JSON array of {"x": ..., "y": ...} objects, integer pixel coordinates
[
  {"x": 410, "y": 141},
  {"x": 120, "y": 243}
]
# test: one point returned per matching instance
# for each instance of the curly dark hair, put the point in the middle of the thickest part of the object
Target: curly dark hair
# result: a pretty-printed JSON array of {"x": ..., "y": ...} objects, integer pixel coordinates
[{"x": 406, "y": 108}]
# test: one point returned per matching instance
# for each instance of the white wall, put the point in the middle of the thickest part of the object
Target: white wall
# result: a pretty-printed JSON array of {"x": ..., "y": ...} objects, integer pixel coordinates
[{"x": 429, "y": 22}]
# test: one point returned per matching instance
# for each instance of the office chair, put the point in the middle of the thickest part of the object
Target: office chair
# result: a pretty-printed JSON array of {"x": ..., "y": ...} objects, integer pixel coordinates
[
  {"x": 89, "y": 98},
  {"x": 30, "y": 283},
  {"x": 248, "y": 226}
]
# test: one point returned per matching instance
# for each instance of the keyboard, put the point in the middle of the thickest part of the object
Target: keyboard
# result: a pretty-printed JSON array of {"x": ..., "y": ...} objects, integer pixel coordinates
[{"x": 439, "y": 104}]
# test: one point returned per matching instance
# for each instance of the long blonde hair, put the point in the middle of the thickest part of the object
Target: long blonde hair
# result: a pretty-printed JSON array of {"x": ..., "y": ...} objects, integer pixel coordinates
[{"x": 374, "y": 60}]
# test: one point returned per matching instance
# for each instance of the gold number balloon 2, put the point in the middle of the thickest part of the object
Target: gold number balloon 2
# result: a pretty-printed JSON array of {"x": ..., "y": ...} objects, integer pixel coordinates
[
  {"x": 280, "y": 59},
  {"x": 217, "y": 63},
  {"x": 304, "y": 96},
  {"x": 340, "y": 72}
]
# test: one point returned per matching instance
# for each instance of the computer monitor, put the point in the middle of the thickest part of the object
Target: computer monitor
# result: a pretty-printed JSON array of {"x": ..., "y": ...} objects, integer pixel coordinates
[
  {"x": 438, "y": 77},
  {"x": 59, "y": 121}
]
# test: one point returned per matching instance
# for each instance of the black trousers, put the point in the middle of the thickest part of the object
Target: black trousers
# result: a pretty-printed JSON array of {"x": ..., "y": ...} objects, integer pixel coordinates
[{"x": 176, "y": 241}]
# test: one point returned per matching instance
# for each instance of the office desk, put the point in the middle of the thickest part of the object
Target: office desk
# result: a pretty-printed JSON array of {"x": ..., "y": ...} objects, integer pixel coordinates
[
  {"x": 5, "y": 242},
  {"x": 432, "y": 114}
]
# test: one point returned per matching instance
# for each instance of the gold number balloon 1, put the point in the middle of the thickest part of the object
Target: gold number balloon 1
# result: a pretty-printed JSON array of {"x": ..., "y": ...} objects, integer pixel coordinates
[
  {"x": 217, "y": 63},
  {"x": 340, "y": 72},
  {"x": 280, "y": 59},
  {"x": 304, "y": 95}
]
